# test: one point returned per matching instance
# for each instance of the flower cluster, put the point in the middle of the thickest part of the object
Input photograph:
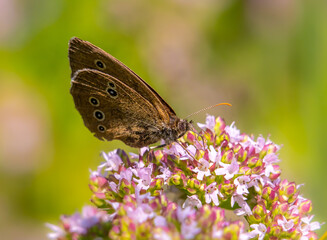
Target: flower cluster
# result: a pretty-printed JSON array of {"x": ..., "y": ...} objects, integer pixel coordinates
[
  {"x": 92, "y": 223},
  {"x": 174, "y": 192}
]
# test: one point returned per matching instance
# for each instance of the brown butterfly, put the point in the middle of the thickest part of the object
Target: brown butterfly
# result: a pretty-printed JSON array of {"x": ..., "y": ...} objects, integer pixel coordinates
[{"x": 115, "y": 103}]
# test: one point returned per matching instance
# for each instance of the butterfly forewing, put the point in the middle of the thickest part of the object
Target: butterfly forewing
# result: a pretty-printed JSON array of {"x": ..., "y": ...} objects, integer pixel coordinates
[{"x": 83, "y": 54}]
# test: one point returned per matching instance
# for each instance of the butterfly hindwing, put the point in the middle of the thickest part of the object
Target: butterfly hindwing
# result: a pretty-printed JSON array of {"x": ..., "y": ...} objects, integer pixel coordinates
[{"x": 112, "y": 110}]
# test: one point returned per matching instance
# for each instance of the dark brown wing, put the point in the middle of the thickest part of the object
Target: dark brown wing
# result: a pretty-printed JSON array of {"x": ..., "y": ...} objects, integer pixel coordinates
[
  {"x": 112, "y": 110},
  {"x": 83, "y": 54}
]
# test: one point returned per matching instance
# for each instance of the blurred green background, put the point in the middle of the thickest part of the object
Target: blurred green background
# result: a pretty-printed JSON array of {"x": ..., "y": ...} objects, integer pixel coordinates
[{"x": 266, "y": 57}]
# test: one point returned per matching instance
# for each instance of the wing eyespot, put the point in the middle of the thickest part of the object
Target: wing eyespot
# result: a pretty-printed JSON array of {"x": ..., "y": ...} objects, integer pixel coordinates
[
  {"x": 112, "y": 85},
  {"x": 100, "y": 64},
  {"x": 94, "y": 101},
  {"x": 101, "y": 128},
  {"x": 112, "y": 93},
  {"x": 99, "y": 115}
]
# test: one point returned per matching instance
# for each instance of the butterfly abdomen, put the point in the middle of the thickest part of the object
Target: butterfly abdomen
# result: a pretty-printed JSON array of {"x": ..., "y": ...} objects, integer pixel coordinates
[
  {"x": 141, "y": 139},
  {"x": 148, "y": 136}
]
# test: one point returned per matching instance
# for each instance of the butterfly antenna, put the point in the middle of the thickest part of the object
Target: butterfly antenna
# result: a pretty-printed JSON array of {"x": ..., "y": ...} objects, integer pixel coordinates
[{"x": 207, "y": 108}]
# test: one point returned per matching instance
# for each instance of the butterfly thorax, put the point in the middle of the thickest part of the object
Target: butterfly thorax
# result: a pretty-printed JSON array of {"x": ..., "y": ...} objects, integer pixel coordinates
[{"x": 175, "y": 130}]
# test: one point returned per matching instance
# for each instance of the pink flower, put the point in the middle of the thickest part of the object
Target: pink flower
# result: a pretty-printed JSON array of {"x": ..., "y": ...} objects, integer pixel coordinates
[
  {"x": 57, "y": 233},
  {"x": 124, "y": 174},
  {"x": 80, "y": 223},
  {"x": 113, "y": 161},
  {"x": 271, "y": 158},
  {"x": 234, "y": 133},
  {"x": 259, "y": 231},
  {"x": 141, "y": 213},
  {"x": 203, "y": 169},
  {"x": 160, "y": 221},
  {"x": 286, "y": 225},
  {"x": 210, "y": 123},
  {"x": 241, "y": 184},
  {"x": 192, "y": 201},
  {"x": 229, "y": 170},
  {"x": 191, "y": 150},
  {"x": 189, "y": 227},
  {"x": 211, "y": 194},
  {"x": 145, "y": 177},
  {"x": 259, "y": 144},
  {"x": 245, "y": 208},
  {"x": 166, "y": 173},
  {"x": 214, "y": 156},
  {"x": 308, "y": 226},
  {"x": 175, "y": 149}
]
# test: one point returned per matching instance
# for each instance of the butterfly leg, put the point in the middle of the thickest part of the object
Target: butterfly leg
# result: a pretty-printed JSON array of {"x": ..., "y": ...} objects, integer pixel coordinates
[
  {"x": 160, "y": 146},
  {"x": 197, "y": 133},
  {"x": 180, "y": 144}
]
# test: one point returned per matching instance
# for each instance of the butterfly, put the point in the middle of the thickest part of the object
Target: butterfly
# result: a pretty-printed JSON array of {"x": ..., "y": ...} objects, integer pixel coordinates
[{"x": 115, "y": 103}]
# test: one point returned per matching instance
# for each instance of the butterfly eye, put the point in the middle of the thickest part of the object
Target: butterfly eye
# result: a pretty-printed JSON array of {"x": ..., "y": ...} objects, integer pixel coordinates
[
  {"x": 98, "y": 115},
  {"x": 100, "y": 65},
  {"x": 95, "y": 102},
  {"x": 101, "y": 128},
  {"x": 113, "y": 93}
]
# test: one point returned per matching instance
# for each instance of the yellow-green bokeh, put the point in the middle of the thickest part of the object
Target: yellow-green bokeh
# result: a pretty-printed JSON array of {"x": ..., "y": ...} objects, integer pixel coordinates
[{"x": 267, "y": 58}]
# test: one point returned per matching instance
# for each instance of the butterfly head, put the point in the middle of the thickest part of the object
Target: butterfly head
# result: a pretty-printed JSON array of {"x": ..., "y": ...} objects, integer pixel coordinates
[{"x": 182, "y": 127}]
